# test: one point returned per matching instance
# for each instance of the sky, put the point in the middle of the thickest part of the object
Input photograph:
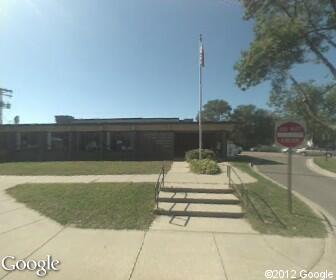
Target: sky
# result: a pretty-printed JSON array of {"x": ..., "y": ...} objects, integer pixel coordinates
[{"x": 120, "y": 58}]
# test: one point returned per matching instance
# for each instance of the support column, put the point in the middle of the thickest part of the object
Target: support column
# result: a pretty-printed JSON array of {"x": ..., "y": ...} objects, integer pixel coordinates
[
  {"x": 41, "y": 146},
  {"x": 49, "y": 141},
  {"x": 101, "y": 144},
  {"x": 77, "y": 141},
  {"x": 108, "y": 140},
  {"x": 18, "y": 141},
  {"x": 70, "y": 146},
  {"x": 224, "y": 145}
]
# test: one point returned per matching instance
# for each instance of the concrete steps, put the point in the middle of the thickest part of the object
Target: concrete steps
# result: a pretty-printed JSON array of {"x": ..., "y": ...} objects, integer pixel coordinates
[
  {"x": 199, "y": 200},
  {"x": 200, "y": 210},
  {"x": 205, "y": 198},
  {"x": 197, "y": 190}
]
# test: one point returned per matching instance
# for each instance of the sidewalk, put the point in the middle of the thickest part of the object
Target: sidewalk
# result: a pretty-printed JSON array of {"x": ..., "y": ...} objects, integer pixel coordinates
[
  {"x": 9, "y": 180},
  {"x": 172, "y": 249},
  {"x": 179, "y": 173}
]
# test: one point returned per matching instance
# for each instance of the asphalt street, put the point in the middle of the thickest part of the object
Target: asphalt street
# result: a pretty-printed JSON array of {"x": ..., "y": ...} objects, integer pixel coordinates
[{"x": 320, "y": 189}]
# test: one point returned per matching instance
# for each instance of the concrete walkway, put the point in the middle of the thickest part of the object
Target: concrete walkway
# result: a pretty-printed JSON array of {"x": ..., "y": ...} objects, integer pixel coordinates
[
  {"x": 180, "y": 174},
  {"x": 172, "y": 249},
  {"x": 80, "y": 179}
]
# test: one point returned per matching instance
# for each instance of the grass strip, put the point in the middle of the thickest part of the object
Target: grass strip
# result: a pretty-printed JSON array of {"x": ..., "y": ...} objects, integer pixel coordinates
[
  {"x": 69, "y": 168},
  {"x": 271, "y": 202},
  {"x": 98, "y": 205},
  {"x": 329, "y": 164}
]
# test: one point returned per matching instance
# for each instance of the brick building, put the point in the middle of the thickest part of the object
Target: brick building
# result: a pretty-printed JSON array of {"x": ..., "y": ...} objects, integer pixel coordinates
[{"x": 109, "y": 139}]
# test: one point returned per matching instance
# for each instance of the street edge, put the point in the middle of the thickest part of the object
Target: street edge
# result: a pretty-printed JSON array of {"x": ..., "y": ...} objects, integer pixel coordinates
[
  {"x": 315, "y": 207},
  {"x": 317, "y": 169},
  {"x": 320, "y": 211}
]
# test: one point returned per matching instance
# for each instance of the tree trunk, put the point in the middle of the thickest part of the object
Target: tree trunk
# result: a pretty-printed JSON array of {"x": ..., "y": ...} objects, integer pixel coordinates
[
  {"x": 307, "y": 105},
  {"x": 330, "y": 42},
  {"x": 321, "y": 57},
  {"x": 310, "y": 44},
  {"x": 333, "y": 4}
]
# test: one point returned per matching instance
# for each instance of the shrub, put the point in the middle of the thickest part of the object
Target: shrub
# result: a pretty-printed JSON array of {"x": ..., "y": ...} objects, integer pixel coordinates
[
  {"x": 194, "y": 154},
  {"x": 204, "y": 166}
]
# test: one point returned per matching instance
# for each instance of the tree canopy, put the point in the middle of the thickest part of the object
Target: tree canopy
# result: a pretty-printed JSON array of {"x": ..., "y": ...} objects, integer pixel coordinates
[
  {"x": 254, "y": 127},
  {"x": 322, "y": 100},
  {"x": 216, "y": 110},
  {"x": 288, "y": 33}
]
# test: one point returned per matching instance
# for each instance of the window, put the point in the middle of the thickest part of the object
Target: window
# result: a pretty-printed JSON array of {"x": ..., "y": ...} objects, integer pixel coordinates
[
  {"x": 30, "y": 140},
  {"x": 89, "y": 141},
  {"x": 121, "y": 142},
  {"x": 59, "y": 141}
]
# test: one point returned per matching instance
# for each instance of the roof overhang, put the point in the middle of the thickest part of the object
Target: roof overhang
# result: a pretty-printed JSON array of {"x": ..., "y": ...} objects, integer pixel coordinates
[{"x": 176, "y": 127}]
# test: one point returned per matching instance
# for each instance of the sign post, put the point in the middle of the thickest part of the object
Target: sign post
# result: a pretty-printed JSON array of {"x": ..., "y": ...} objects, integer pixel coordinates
[
  {"x": 290, "y": 134},
  {"x": 289, "y": 180}
]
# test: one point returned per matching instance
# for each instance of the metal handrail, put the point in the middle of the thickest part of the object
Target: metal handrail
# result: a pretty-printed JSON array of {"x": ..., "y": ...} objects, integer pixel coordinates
[
  {"x": 159, "y": 184},
  {"x": 246, "y": 200},
  {"x": 243, "y": 193}
]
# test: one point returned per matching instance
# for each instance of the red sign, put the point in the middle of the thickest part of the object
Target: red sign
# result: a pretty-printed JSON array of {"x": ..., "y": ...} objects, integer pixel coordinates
[{"x": 290, "y": 134}]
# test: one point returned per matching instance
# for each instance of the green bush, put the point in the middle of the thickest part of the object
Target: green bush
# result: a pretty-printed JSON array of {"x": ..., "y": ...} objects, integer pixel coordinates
[
  {"x": 204, "y": 166},
  {"x": 194, "y": 154}
]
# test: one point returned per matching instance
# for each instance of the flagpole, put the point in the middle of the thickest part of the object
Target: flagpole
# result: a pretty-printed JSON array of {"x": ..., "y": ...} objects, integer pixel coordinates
[{"x": 200, "y": 98}]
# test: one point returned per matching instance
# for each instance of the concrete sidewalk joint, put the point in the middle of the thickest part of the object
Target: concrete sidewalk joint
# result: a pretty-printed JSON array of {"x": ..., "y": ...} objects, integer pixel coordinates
[{"x": 202, "y": 248}]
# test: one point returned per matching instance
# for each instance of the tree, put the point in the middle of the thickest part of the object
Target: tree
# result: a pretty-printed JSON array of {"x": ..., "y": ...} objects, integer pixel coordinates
[
  {"x": 322, "y": 100},
  {"x": 254, "y": 126},
  {"x": 288, "y": 33},
  {"x": 216, "y": 110}
]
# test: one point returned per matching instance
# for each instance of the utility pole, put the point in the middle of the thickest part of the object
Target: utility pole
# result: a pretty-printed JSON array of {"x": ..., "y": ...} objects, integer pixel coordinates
[{"x": 3, "y": 105}]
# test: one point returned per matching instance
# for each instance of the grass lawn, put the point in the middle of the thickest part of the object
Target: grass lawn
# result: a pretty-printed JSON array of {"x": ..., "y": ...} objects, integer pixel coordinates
[
  {"x": 99, "y": 205},
  {"x": 266, "y": 196},
  {"x": 83, "y": 167},
  {"x": 329, "y": 164}
]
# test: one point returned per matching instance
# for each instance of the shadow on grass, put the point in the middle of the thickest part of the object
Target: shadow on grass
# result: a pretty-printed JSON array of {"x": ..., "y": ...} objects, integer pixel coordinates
[{"x": 271, "y": 204}]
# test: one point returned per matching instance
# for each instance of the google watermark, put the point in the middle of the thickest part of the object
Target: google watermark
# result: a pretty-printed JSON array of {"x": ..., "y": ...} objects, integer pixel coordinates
[
  {"x": 40, "y": 267},
  {"x": 302, "y": 274}
]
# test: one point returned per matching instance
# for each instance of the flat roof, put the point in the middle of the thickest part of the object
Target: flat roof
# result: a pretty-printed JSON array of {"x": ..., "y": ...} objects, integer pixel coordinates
[{"x": 124, "y": 125}]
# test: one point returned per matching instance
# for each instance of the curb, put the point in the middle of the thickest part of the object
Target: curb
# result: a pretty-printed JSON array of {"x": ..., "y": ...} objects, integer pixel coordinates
[
  {"x": 315, "y": 207},
  {"x": 320, "y": 211},
  {"x": 315, "y": 168}
]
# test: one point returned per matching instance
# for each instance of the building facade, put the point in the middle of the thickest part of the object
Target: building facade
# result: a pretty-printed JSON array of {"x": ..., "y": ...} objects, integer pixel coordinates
[{"x": 109, "y": 139}]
